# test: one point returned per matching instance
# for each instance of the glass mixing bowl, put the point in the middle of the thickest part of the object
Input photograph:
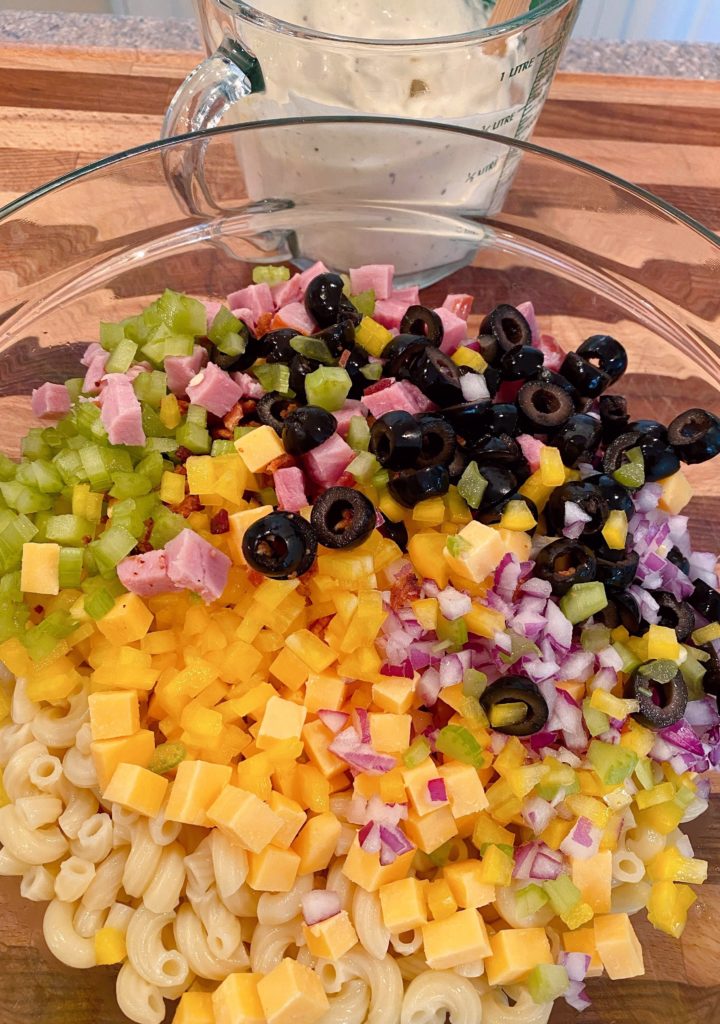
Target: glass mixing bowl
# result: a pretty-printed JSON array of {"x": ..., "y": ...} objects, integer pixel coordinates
[{"x": 593, "y": 253}]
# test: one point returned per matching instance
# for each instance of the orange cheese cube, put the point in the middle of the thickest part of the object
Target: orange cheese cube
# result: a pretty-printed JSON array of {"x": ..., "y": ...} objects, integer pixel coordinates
[
  {"x": 259, "y": 447},
  {"x": 108, "y": 754},
  {"x": 676, "y": 493},
  {"x": 196, "y": 1008},
  {"x": 416, "y": 784},
  {"x": 317, "y": 740},
  {"x": 244, "y": 818},
  {"x": 236, "y": 1001},
  {"x": 293, "y": 818},
  {"x": 137, "y": 788},
  {"x": 456, "y": 940},
  {"x": 273, "y": 870},
  {"x": 618, "y": 946},
  {"x": 390, "y": 733},
  {"x": 514, "y": 953},
  {"x": 239, "y": 523},
  {"x": 332, "y": 938},
  {"x": 441, "y": 902},
  {"x": 464, "y": 789},
  {"x": 404, "y": 904},
  {"x": 324, "y": 691},
  {"x": 114, "y": 713},
  {"x": 315, "y": 845},
  {"x": 394, "y": 695},
  {"x": 289, "y": 670},
  {"x": 582, "y": 940},
  {"x": 40, "y": 569},
  {"x": 282, "y": 720},
  {"x": 365, "y": 869},
  {"x": 292, "y": 994},
  {"x": 466, "y": 884},
  {"x": 485, "y": 549},
  {"x": 311, "y": 649},
  {"x": 127, "y": 621},
  {"x": 197, "y": 785},
  {"x": 593, "y": 877},
  {"x": 431, "y": 830}
]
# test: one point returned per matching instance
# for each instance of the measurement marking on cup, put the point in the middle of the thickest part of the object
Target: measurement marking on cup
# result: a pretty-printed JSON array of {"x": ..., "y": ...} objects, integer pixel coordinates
[
  {"x": 474, "y": 175},
  {"x": 519, "y": 68}
]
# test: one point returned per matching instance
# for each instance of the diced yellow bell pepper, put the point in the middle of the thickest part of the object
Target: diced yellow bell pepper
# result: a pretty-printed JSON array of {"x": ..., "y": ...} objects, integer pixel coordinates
[
  {"x": 426, "y": 554},
  {"x": 109, "y": 946},
  {"x": 615, "y": 530},
  {"x": 552, "y": 470},
  {"x": 671, "y": 866},
  {"x": 172, "y": 488},
  {"x": 372, "y": 336},
  {"x": 517, "y": 517},
  {"x": 615, "y": 707},
  {"x": 645, "y": 798},
  {"x": 465, "y": 356},
  {"x": 663, "y": 643},
  {"x": 636, "y": 737},
  {"x": 430, "y": 512},
  {"x": 668, "y": 905}
]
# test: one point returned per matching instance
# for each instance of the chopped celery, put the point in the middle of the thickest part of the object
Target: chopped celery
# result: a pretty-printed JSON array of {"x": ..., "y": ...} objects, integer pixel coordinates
[
  {"x": 24, "y": 499},
  {"x": 267, "y": 496},
  {"x": 529, "y": 900},
  {"x": 596, "y": 721},
  {"x": 358, "y": 435},
  {"x": 69, "y": 466},
  {"x": 363, "y": 467},
  {"x": 34, "y": 446},
  {"x": 456, "y": 545},
  {"x": 126, "y": 514},
  {"x": 161, "y": 444},
  {"x": 40, "y": 475},
  {"x": 166, "y": 526},
  {"x": 547, "y": 982},
  {"x": 474, "y": 682},
  {"x": 631, "y": 474},
  {"x": 196, "y": 415},
  {"x": 152, "y": 466},
  {"x": 130, "y": 485},
  {"x": 471, "y": 485},
  {"x": 41, "y": 640},
  {"x": 181, "y": 313},
  {"x": 644, "y": 773},
  {"x": 111, "y": 547},
  {"x": 630, "y": 659},
  {"x": 88, "y": 422},
  {"x": 595, "y": 638},
  {"x": 381, "y": 479},
  {"x": 7, "y": 467},
  {"x": 111, "y": 335},
  {"x": 221, "y": 447},
  {"x": 611, "y": 762},
  {"x": 693, "y": 672},
  {"x": 196, "y": 439},
  {"x": 71, "y": 567},
  {"x": 151, "y": 387},
  {"x": 364, "y": 302},
  {"x": 371, "y": 371},
  {"x": 273, "y": 377},
  {"x": 122, "y": 356},
  {"x": 453, "y": 630},
  {"x": 95, "y": 468},
  {"x": 13, "y": 618},
  {"x": 582, "y": 601},
  {"x": 270, "y": 274},
  {"x": 227, "y": 333},
  {"x": 328, "y": 387},
  {"x": 417, "y": 752},
  {"x": 460, "y": 744},
  {"x": 74, "y": 386},
  {"x": 158, "y": 349},
  {"x": 98, "y": 603},
  {"x": 167, "y": 756},
  {"x": 69, "y": 530},
  {"x": 313, "y": 348},
  {"x": 562, "y": 893},
  {"x": 10, "y": 586}
]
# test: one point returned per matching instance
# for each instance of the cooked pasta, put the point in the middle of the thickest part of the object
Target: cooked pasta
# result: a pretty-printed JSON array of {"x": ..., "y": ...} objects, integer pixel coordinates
[
  {"x": 38, "y": 884},
  {"x": 147, "y": 953},
  {"x": 94, "y": 839},
  {"x": 191, "y": 940},
  {"x": 436, "y": 996},
  {"x": 162, "y": 894},
  {"x": 281, "y": 907},
  {"x": 137, "y": 998},
  {"x": 31, "y": 845},
  {"x": 41, "y": 810},
  {"x": 63, "y": 941},
  {"x": 73, "y": 879},
  {"x": 496, "y": 1008},
  {"x": 271, "y": 943},
  {"x": 142, "y": 861},
  {"x": 368, "y": 921}
]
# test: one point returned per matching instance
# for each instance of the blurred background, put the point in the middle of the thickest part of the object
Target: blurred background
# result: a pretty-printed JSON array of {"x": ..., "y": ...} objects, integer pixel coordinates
[{"x": 629, "y": 20}]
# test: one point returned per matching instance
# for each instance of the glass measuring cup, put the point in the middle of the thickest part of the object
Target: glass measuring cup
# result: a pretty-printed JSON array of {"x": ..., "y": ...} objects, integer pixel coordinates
[{"x": 430, "y": 60}]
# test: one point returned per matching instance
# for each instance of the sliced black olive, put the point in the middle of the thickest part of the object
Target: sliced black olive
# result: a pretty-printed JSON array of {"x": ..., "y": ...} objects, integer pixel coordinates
[
  {"x": 281, "y": 545},
  {"x": 459, "y": 463},
  {"x": 546, "y": 376},
  {"x": 711, "y": 677},
  {"x": 438, "y": 442},
  {"x": 307, "y": 428},
  {"x": 342, "y": 517},
  {"x": 661, "y": 704},
  {"x": 579, "y": 438},
  {"x": 609, "y": 354},
  {"x": 488, "y": 348},
  {"x": 583, "y": 493},
  {"x": 544, "y": 407},
  {"x": 613, "y": 416},
  {"x": 396, "y": 440},
  {"x": 705, "y": 600},
  {"x": 423, "y": 321},
  {"x": 678, "y": 615},
  {"x": 437, "y": 376},
  {"x": 589, "y": 380},
  {"x": 325, "y": 302},
  {"x": 467, "y": 419},
  {"x": 493, "y": 380},
  {"x": 563, "y": 563},
  {"x": 276, "y": 346},
  {"x": 338, "y": 336},
  {"x": 516, "y": 690},
  {"x": 616, "y": 574},
  {"x": 353, "y": 364},
  {"x": 617, "y": 496},
  {"x": 300, "y": 367},
  {"x": 492, "y": 516},
  {"x": 615, "y": 452},
  {"x": 649, "y": 430},
  {"x": 401, "y": 353},
  {"x": 500, "y": 450},
  {"x": 621, "y": 610},
  {"x": 394, "y": 531},
  {"x": 411, "y": 486},
  {"x": 521, "y": 362},
  {"x": 501, "y": 485},
  {"x": 253, "y": 351},
  {"x": 677, "y": 558},
  {"x": 508, "y": 326},
  {"x": 273, "y": 409},
  {"x": 695, "y": 435}
]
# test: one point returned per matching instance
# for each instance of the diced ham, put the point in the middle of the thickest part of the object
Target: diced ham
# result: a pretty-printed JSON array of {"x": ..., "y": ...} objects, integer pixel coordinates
[
  {"x": 249, "y": 387},
  {"x": 247, "y": 316},
  {"x": 194, "y": 564},
  {"x": 91, "y": 353},
  {"x": 306, "y": 277},
  {"x": 290, "y": 488},
  {"x": 295, "y": 316},
  {"x": 400, "y": 395},
  {"x": 454, "y": 330},
  {"x": 554, "y": 354},
  {"x": 326, "y": 463},
  {"x": 531, "y": 449},
  {"x": 50, "y": 401},
  {"x": 389, "y": 312},
  {"x": 411, "y": 295},
  {"x": 136, "y": 369},
  {"x": 95, "y": 371},
  {"x": 343, "y": 416},
  {"x": 528, "y": 311},
  {"x": 120, "y": 411},
  {"x": 285, "y": 292},
  {"x": 256, "y": 297},
  {"x": 146, "y": 574},
  {"x": 212, "y": 308},
  {"x": 377, "y": 277},
  {"x": 459, "y": 304},
  {"x": 180, "y": 370},
  {"x": 214, "y": 390}
]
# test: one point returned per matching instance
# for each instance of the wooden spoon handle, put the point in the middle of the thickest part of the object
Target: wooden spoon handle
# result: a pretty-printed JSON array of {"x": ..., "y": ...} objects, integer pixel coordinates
[{"x": 506, "y": 10}]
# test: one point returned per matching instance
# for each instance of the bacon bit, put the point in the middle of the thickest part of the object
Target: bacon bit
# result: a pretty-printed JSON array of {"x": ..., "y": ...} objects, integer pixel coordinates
[
  {"x": 319, "y": 626},
  {"x": 380, "y": 385},
  {"x": 344, "y": 356},
  {"x": 256, "y": 578},
  {"x": 281, "y": 462},
  {"x": 278, "y": 324},
  {"x": 188, "y": 505},
  {"x": 263, "y": 324},
  {"x": 183, "y": 405},
  {"x": 248, "y": 406},
  {"x": 86, "y": 539},
  {"x": 182, "y": 454},
  {"x": 144, "y": 545},
  {"x": 220, "y": 522},
  {"x": 232, "y": 418},
  {"x": 404, "y": 590},
  {"x": 346, "y": 480},
  {"x": 221, "y": 434}
]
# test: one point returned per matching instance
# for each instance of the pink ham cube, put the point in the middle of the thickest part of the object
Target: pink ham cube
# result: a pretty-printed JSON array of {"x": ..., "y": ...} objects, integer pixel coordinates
[
  {"x": 146, "y": 574},
  {"x": 256, "y": 297},
  {"x": 389, "y": 312},
  {"x": 50, "y": 402},
  {"x": 249, "y": 387},
  {"x": 377, "y": 277},
  {"x": 120, "y": 411},
  {"x": 194, "y": 564},
  {"x": 95, "y": 370},
  {"x": 296, "y": 317},
  {"x": 285, "y": 292},
  {"x": 212, "y": 308},
  {"x": 531, "y": 449},
  {"x": 343, "y": 416},
  {"x": 411, "y": 295},
  {"x": 454, "y": 330},
  {"x": 553, "y": 353},
  {"x": 460, "y": 305},
  {"x": 214, "y": 390},
  {"x": 180, "y": 370},
  {"x": 307, "y": 276},
  {"x": 290, "y": 488},
  {"x": 398, "y": 395},
  {"x": 326, "y": 463},
  {"x": 528, "y": 311}
]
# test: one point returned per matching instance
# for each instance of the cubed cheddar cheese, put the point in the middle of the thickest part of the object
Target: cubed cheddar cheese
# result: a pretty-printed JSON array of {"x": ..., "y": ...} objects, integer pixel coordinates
[
  {"x": 459, "y": 939},
  {"x": 137, "y": 788},
  {"x": 40, "y": 569},
  {"x": 483, "y": 554},
  {"x": 676, "y": 493},
  {"x": 315, "y": 845},
  {"x": 394, "y": 695},
  {"x": 441, "y": 902},
  {"x": 197, "y": 1008},
  {"x": 365, "y": 869},
  {"x": 389, "y": 733},
  {"x": 593, "y": 877},
  {"x": 618, "y": 946},
  {"x": 514, "y": 952},
  {"x": 273, "y": 869},
  {"x": 293, "y": 818},
  {"x": 127, "y": 621},
  {"x": 292, "y": 994},
  {"x": 244, "y": 818},
  {"x": 324, "y": 691},
  {"x": 404, "y": 904},
  {"x": 236, "y": 1000},
  {"x": 332, "y": 938},
  {"x": 464, "y": 789},
  {"x": 317, "y": 740},
  {"x": 282, "y": 720},
  {"x": 430, "y": 831},
  {"x": 582, "y": 940},
  {"x": 114, "y": 713},
  {"x": 239, "y": 523},
  {"x": 416, "y": 785},
  {"x": 197, "y": 785},
  {"x": 259, "y": 447},
  {"x": 108, "y": 754},
  {"x": 466, "y": 884}
]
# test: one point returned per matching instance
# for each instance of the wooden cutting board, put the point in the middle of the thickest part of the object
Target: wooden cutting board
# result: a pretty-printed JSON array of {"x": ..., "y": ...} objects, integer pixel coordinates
[{"x": 63, "y": 108}]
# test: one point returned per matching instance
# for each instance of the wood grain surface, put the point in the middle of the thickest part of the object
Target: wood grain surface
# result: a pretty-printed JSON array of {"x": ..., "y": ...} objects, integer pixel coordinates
[{"x": 62, "y": 108}]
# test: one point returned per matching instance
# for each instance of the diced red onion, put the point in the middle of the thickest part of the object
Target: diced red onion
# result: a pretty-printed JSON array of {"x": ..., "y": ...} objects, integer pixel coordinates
[
  {"x": 702, "y": 714},
  {"x": 437, "y": 790},
  {"x": 538, "y": 861},
  {"x": 609, "y": 658},
  {"x": 451, "y": 670},
  {"x": 333, "y": 720},
  {"x": 535, "y": 587},
  {"x": 507, "y": 577},
  {"x": 369, "y": 837},
  {"x": 421, "y": 655},
  {"x": 394, "y": 844},
  {"x": 403, "y": 671},
  {"x": 583, "y": 840},
  {"x": 349, "y": 748},
  {"x": 474, "y": 387},
  {"x": 544, "y": 868},
  {"x": 681, "y": 736},
  {"x": 362, "y": 724},
  {"x": 429, "y": 687},
  {"x": 576, "y": 964},
  {"x": 538, "y": 813},
  {"x": 559, "y": 627},
  {"x": 453, "y": 603},
  {"x": 497, "y": 742},
  {"x": 647, "y": 498},
  {"x": 319, "y": 904},
  {"x": 575, "y": 520},
  {"x": 579, "y": 666},
  {"x": 605, "y": 679},
  {"x": 577, "y": 997},
  {"x": 357, "y": 811}
]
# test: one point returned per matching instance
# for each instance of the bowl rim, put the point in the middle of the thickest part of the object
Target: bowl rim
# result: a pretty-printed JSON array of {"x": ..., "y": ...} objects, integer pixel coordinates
[{"x": 160, "y": 145}]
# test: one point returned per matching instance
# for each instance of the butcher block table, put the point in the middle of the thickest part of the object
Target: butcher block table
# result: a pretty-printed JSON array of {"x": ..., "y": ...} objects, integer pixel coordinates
[{"x": 62, "y": 108}]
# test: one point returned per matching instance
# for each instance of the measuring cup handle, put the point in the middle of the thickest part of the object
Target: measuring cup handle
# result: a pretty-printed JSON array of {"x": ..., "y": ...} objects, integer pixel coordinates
[{"x": 212, "y": 89}]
